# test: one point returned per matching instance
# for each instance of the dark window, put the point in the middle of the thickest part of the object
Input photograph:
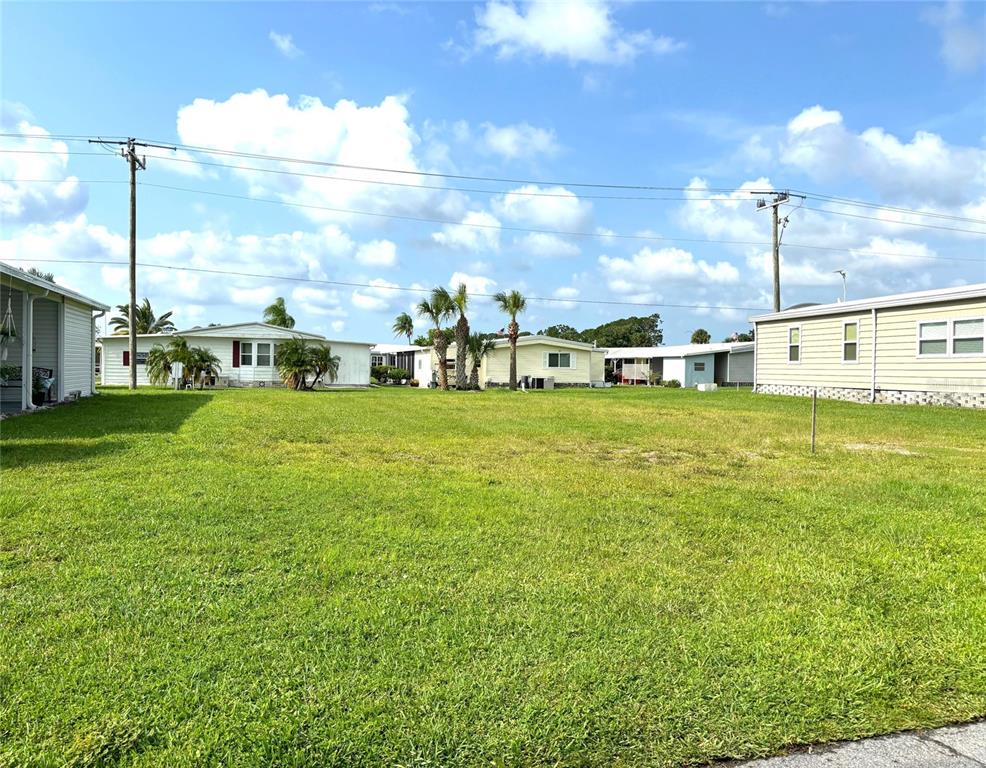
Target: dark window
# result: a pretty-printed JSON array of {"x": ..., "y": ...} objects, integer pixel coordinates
[{"x": 699, "y": 366}]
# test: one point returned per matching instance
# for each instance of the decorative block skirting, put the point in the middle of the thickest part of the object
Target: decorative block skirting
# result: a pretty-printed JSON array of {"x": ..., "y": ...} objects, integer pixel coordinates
[
  {"x": 558, "y": 385},
  {"x": 895, "y": 396}
]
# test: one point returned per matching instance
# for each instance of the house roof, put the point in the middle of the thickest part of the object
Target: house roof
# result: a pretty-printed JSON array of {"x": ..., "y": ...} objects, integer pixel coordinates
[
  {"x": 678, "y": 350},
  {"x": 40, "y": 282},
  {"x": 389, "y": 349},
  {"x": 538, "y": 339},
  {"x": 239, "y": 330},
  {"x": 976, "y": 291},
  {"x": 235, "y": 329}
]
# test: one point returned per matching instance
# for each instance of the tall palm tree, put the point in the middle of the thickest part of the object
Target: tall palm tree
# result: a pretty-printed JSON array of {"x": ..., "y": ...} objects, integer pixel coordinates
[
  {"x": 437, "y": 310},
  {"x": 144, "y": 319},
  {"x": 404, "y": 326},
  {"x": 277, "y": 314},
  {"x": 512, "y": 304},
  {"x": 479, "y": 347},
  {"x": 461, "y": 300}
]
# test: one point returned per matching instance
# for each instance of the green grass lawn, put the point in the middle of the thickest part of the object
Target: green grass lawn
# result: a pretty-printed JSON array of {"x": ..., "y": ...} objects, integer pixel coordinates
[{"x": 406, "y": 577}]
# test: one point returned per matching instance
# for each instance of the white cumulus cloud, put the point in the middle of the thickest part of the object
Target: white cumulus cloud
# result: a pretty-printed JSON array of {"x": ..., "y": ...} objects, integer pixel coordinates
[
  {"x": 576, "y": 30},
  {"x": 377, "y": 253}
]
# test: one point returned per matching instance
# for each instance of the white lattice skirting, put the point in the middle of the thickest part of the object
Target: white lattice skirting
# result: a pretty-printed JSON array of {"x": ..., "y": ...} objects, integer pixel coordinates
[{"x": 897, "y": 396}]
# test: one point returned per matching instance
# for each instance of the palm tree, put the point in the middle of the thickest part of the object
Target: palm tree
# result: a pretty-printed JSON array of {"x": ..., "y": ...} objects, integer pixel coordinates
[
  {"x": 202, "y": 363},
  {"x": 439, "y": 309},
  {"x": 461, "y": 300},
  {"x": 296, "y": 361},
  {"x": 292, "y": 362},
  {"x": 49, "y": 276},
  {"x": 479, "y": 347},
  {"x": 512, "y": 304},
  {"x": 277, "y": 314},
  {"x": 404, "y": 326},
  {"x": 159, "y": 365},
  {"x": 323, "y": 363},
  {"x": 144, "y": 319}
]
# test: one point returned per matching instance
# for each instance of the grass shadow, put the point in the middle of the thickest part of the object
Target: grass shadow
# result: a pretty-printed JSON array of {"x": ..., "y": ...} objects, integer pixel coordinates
[{"x": 116, "y": 413}]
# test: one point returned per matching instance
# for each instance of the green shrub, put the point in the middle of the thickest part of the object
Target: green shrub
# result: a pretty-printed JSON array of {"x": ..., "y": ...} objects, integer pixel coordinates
[{"x": 672, "y": 384}]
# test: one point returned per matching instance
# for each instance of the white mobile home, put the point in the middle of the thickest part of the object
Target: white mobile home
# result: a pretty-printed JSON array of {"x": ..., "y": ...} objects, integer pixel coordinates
[
  {"x": 922, "y": 347},
  {"x": 543, "y": 362},
  {"x": 412, "y": 358},
  {"x": 245, "y": 351},
  {"x": 689, "y": 364},
  {"x": 47, "y": 331}
]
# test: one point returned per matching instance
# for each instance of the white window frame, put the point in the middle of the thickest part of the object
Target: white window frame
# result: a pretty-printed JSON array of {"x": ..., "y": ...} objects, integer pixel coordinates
[
  {"x": 571, "y": 361},
  {"x": 270, "y": 354},
  {"x": 800, "y": 345},
  {"x": 374, "y": 355},
  {"x": 952, "y": 337},
  {"x": 949, "y": 338},
  {"x": 844, "y": 342},
  {"x": 251, "y": 353}
]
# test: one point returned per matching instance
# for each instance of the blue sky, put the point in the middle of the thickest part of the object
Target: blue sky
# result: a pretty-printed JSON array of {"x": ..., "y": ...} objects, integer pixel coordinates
[{"x": 877, "y": 102}]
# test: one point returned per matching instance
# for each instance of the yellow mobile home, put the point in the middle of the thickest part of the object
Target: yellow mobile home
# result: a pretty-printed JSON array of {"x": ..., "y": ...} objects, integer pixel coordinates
[
  {"x": 543, "y": 362},
  {"x": 923, "y": 347}
]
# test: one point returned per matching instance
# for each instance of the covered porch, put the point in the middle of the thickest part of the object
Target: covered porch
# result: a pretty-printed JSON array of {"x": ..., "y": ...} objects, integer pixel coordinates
[{"x": 46, "y": 350}]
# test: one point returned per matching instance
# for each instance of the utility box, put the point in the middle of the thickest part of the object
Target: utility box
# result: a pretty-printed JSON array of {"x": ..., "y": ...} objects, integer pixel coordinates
[
  {"x": 707, "y": 387},
  {"x": 549, "y": 382}
]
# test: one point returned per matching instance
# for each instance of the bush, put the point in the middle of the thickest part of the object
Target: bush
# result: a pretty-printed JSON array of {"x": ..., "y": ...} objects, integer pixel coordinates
[
  {"x": 389, "y": 373},
  {"x": 413, "y": 383},
  {"x": 379, "y": 372},
  {"x": 397, "y": 375},
  {"x": 672, "y": 384}
]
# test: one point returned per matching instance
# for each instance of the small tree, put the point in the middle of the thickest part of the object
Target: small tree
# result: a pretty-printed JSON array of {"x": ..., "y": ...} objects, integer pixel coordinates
[
  {"x": 144, "y": 319},
  {"x": 479, "y": 346},
  {"x": 49, "y": 276},
  {"x": 439, "y": 309},
  {"x": 404, "y": 326},
  {"x": 701, "y": 336},
  {"x": 296, "y": 360},
  {"x": 277, "y": 314}
]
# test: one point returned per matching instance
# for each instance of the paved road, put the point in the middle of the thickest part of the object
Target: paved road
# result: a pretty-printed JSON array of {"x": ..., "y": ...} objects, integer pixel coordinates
[{"x": 959, "y": 746}]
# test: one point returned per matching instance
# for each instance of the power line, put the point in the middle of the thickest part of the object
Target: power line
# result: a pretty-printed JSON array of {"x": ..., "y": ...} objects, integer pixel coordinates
[
  {"x": 564, "y": 233},
  {"x": 821, "y": 197},
  {"x": 376, "y": 169},
  {"x": 889, "y": 222},
  {"x": 597, "y": 235},
  {"x": 347, "y": 284}
]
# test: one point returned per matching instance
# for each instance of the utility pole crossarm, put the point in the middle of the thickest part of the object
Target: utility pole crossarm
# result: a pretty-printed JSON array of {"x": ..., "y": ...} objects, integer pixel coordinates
[{"x": 779, "y": 198}]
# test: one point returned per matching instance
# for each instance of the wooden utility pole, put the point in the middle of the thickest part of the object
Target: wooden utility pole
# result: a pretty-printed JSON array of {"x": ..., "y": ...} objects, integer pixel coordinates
[
  {"x": 129, "y": 152},
  {"x": 776, "y": 224}
]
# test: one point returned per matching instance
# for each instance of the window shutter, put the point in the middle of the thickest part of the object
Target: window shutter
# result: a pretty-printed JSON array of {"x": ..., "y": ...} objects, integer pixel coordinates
[
  {"x": 126, "y": 358},
  {"x": 544, "y": 363},
  {"x": 236, "y": 354},
  {"x": 571, "y": 360}
]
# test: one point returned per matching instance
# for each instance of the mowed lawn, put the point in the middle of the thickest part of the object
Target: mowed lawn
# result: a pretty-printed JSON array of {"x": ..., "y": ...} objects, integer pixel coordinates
[{"x": 404, "y": 577}]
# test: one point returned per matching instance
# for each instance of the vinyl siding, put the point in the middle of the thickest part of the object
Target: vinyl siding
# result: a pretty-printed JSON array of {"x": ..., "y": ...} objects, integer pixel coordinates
[
  {"x": 530, "y": 362},
  {"x": 740, "y": 368},
  {"x": 354, "y": 366},
  {"x": 495, "y": 368},
  {"x": 78, "y": 348},
  {"x": 898, "y": 366},
  {"x": 674, "y": 368},
  {"x": 693, "y": 377}
]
